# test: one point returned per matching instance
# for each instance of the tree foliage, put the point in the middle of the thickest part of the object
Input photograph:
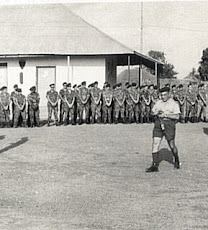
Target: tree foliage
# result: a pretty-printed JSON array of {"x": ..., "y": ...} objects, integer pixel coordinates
[
  {"x": 203, "y": 68},
  {"x": 168, "y": 68}
]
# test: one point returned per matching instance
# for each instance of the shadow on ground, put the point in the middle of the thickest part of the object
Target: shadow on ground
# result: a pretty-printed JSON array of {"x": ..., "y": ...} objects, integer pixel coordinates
[
  {"x": 166, "y": 155},
  {"x": 206, "y": 130},
  {"x": 15, "y": 144},
  {"x": 2, "y": 137}
]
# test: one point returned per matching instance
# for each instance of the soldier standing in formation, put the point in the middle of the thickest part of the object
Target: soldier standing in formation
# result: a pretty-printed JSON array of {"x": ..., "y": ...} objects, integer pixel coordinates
[
  {"x": 107, "y": 104},
  {"x": 4, "y": 107},
  {"x": 62, "y": 94},
  {"x": 191, "y": 104},
  {"x": 181, "y": 99},
  {"x": 202, "y": 103},
  {"x": 145, "y": 105},
  {"x": 95, "y": 93},
  {"x": 84, "y": 96},
  {"x": 135, "y": 95},
  {"x": 52, "y": 97},
  {"x": 19, "y": 109},
  {"x": 68, "y": 105},
  {"x": 33, "y": 107},
  {"x": 119, "y": 106}
]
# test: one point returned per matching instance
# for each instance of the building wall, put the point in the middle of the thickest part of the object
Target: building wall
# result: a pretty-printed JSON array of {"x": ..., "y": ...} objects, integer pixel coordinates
[
  {"x": 89, "y": 69},
  {"x": 80, "y": 69}
]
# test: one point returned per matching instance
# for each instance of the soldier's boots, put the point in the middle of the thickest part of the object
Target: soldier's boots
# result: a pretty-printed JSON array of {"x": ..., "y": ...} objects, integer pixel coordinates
[
  {"x": 142, "y": 119},
  {"x": 205, "y": 120},
  {"x": 116, "y": 120},
  {"x": 24, "y": 124},
  {"x": 99, "y": 120},
  {"x": 48, "y": 123},
  {"x": 152, "y": 168},
  {"x": 93, "y": 120},
  {"x": 177, "y": 163},
  {"x": 57, "y": 123}
]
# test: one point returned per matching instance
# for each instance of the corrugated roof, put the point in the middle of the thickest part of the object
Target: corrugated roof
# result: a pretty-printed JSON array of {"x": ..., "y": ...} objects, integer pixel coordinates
[{"x": 53, "y": 29}]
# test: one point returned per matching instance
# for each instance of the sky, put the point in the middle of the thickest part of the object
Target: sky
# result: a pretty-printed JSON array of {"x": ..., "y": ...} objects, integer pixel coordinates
[{"x": 177, "y": 28}]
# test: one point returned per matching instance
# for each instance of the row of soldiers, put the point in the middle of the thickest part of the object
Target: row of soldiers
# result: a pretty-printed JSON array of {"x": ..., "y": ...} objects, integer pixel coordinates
[{"x": 79, "y": 104}]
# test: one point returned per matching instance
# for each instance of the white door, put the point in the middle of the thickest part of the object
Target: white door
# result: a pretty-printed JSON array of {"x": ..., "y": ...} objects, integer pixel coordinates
[
  {"x": 3, "y": 75},
  {"x": 45, "y": 76}
]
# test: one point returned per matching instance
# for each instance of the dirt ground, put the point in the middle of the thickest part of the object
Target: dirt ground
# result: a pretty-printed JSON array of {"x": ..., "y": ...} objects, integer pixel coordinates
[{"x": 93, "y": 177}]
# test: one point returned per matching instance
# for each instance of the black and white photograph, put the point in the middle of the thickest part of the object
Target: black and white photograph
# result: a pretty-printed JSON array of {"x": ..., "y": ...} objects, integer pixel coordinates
[{"x": 103, "y": 115}]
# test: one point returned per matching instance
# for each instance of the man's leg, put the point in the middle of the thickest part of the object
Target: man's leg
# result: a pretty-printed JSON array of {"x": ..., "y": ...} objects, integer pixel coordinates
[
  {"x": 175, "y": 153},
  {"x": 49, "y": 114},
  {"x": 55, "y": 112},
  {"x": 155, "y": 154}
]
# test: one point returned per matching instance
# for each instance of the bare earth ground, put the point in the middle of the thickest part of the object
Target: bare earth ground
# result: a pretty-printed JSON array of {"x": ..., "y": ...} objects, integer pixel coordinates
[{"x": 93, "y": 177}]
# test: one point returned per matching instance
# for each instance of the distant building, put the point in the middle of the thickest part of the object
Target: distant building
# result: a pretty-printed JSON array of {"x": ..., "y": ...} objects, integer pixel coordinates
[{"x": 42, "y": 44}]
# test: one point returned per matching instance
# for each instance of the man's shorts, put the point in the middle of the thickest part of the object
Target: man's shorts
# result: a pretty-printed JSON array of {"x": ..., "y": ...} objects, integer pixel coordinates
[{"x": 168, "y": 132}]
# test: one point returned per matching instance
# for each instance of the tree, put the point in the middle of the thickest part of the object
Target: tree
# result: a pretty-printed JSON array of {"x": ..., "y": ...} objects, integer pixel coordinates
[
  {"x": 168, "y": 69},
  {"x": 203, "y": 68}
]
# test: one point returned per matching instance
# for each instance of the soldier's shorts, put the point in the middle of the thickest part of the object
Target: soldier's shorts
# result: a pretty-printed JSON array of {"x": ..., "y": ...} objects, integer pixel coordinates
[{"x": 168, "y": 132}]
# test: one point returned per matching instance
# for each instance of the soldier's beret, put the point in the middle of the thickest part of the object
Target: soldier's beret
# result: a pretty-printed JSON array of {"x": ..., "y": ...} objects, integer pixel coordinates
[
  {"x": 151, "y": 86},
  {"x": 202, "y": 84},
  {"x": 127, "y": 83},
  {"x": 173, "y": 86},
  {"x": 133, "y": 84},
  {"x": 32, "y": 88},
  {"x": 128, "y": 86},
  {"x": 52, "y": 85},
  {"x": 15, "y": 86},
  {"x": 119, "y": 84},
  {"x": 95, "y": 83},
  {"x": 83, "y": 83},
  {"x": 78, "y": 86},
  {"x": 19, "y": 90},
  {"x": 107, "y": 85},
  {"x": 74, "y": 85},
  {"x": 68, "y": 85},
  {"x": 155, "y": 87},
  {"x": 180, "y": 86},
  {"x": 165, "y": 89},
  {"x": 142, "y": 86},
  {"x": 65, "y": 83},
  {"x": 4, "y": 87}
]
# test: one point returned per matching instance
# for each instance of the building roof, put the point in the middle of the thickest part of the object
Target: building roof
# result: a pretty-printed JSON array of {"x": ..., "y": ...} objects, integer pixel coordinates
[{"x": 47, "y": 29}]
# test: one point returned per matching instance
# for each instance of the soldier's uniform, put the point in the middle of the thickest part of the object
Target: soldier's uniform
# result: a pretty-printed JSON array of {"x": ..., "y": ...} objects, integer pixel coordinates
[
  {"x": 202, "y": 103},
  {"x": 135, "y": 94},
  {"x": 95, "y": 93},
  {"x": 62, "y": 94},
  {"x": 181, "y": 99},
  {"x": 129, "y": 105},
  {"x": 84, "y": 97},
  {"x": 4, "y": 108},
  {"x": 126, "y": 92},
  {"x": 53, "y": 96},
  {"x": 69, "y": 111},
  {"x": 33, "y": 107},
  {"x": 12, "y": 96},
  {"x": 191, "y": 106},
  {"x": 174, "y": 92},
  {"x": 145, "y": 106},
  {"x": 107, "y": 96},
  {"x": 19, "y": 108},
  {"x": 119, "y": 106}
]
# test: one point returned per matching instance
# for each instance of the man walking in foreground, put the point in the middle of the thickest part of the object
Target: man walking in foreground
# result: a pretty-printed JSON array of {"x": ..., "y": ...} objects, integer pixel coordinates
[{"x": 167, "y": 113}]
